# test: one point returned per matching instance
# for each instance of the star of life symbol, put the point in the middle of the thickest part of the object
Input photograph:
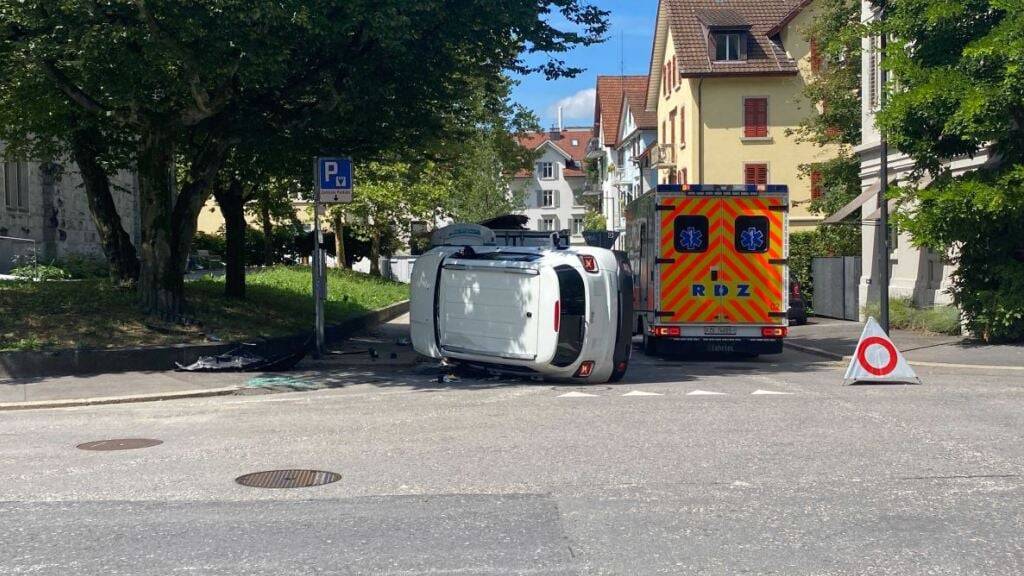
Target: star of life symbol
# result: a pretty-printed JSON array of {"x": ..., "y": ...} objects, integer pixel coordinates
[
  {"x": 691, "y": 239},
  {"x": 752, "y": 239}
]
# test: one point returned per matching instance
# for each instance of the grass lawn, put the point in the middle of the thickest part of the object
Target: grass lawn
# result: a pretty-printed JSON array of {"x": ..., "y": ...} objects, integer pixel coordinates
[{"x": 96, "y": 314}]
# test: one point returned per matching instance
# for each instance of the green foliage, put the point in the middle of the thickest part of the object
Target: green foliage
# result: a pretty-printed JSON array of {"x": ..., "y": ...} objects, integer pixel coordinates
[
  {"x": 47, "y": 315},
  {"x": 594, "y": 220},
  {"x": 40, "y": 272},
  {"x": 835, "y": 31},
  {"x": 82, "y": 266},
  {"x": 959, "y": 68},
  {"x": 904, "y": 316},
  {"x": 824, "y": 242}
]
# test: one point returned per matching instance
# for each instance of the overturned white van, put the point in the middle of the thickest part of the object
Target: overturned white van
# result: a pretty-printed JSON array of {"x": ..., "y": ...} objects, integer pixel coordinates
[{"x": 557, "y": 313}]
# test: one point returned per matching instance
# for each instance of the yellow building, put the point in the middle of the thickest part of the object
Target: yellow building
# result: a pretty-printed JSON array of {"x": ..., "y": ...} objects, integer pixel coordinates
[
  {"x": 727, "y": 80},
  {"x": 211, "y": 221}
]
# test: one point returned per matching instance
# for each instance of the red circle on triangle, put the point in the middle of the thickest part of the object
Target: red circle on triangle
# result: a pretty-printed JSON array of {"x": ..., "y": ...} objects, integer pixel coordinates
[{"x": 862, "y": 355}]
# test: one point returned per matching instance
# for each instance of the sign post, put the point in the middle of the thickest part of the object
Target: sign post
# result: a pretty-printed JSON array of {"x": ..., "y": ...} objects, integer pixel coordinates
[{"x": 333, "y": 186}]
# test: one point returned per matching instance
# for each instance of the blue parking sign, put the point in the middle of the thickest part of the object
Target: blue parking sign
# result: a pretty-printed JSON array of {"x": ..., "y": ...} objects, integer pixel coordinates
[{"x": 334, "y": 179}]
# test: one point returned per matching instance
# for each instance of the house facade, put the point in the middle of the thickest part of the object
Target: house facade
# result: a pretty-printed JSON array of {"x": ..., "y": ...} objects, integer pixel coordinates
[
  {"x": 920, "y": 274},
  {"x": 727, "y": 80},
  {"x": 552, "y": 192},
  {"x": 623, "y": 131},
  {"x": 45, "y": 211}
]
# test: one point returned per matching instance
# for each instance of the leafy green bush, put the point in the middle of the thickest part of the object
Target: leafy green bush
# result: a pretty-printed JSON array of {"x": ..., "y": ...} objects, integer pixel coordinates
[
  {"x": 40, "y": 272},
  {"x": 82, "y": 266},
  {"x": 904, "y": 316}
]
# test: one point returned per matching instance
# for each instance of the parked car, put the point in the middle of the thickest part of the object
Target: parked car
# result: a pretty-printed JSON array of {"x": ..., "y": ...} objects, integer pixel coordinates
[
  {"x": 797, "y": 304},
  {"x": 560, "y": 313}
]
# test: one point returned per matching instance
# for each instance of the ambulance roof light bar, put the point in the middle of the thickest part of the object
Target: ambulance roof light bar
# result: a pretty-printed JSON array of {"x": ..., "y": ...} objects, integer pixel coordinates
[{"x": 723, "y": 189}]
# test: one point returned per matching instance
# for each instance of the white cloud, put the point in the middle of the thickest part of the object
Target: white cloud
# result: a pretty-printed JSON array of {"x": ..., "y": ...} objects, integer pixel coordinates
[{"x": 579, "y": 106}]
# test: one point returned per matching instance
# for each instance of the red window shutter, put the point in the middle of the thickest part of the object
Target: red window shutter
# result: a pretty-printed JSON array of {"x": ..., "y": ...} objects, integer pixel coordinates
[
  {"x": 756, "y": 173},
  {"x": 755, "y": 112},
  {"x": 816, "y": 191},
  {"x": 815, "y": 56},
  {"x": 683, "y": 177},
  {"x": 682, "y": 125}
]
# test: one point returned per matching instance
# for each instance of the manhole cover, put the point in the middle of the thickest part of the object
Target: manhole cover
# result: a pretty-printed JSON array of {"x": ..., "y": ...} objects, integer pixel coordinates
[
  {"x": 120, "y": 444},
  {"x": 288, "y": 478}
]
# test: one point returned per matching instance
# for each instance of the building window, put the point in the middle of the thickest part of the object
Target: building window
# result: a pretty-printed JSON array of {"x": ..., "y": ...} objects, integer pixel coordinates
[
  {"x": 755, "y": 117},
  {"x": 546, "y": 170},
  {"x": 729, "y": 46},
  {"x": 547, "y": 199},
  {"x": 576, "y": 225},
  {"x": 816, "y": 191},
  {"x": 15, "y": 184},
  {"x": 548, "y": 224},
  {"x": 575, "y": 142},
  {"x": 755, "y": 173},
  {"x": 682, "y": 177},
  {"x": 672, "y": 133}
]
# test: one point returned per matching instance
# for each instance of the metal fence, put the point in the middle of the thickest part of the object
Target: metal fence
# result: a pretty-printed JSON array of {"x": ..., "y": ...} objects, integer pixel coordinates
[
  {"x": 837, "y": 287},
  {"x": 16, "y": 252}
]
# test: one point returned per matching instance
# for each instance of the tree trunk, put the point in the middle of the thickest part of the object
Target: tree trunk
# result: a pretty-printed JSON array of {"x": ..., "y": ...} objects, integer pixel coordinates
[
  {"x": 268, "y": 228},
  {"x": 375, "y": 253},
  {"x": 339, "y": 242},
  {"x": 86, "y": 146},
  {"x": 232, "y": 205},
  {"x": 169, "y": 219}
]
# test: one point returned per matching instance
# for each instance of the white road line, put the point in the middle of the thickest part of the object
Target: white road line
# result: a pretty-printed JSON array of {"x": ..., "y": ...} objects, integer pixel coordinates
[
  {"x": 578, "y": 395},
  {"x": 705, "y": 393},
  {"x": 640, "y": 393},
  {"x": 770, "y": 393}
]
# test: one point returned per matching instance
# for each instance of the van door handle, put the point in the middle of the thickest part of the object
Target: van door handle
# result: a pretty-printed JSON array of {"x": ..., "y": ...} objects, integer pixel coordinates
[{"x": 714, "y": 275}]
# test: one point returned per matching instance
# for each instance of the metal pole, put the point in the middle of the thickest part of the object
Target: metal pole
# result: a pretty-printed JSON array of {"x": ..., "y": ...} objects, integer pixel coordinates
[
  {"x": 883, "y": 203},
  {"x": 318, "y": 268}
]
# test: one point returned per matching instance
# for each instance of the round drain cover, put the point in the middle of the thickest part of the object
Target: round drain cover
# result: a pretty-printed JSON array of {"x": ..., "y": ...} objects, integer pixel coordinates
[
  {"x": 120, "y": 444},
  {"x": 288, "y": 478}
]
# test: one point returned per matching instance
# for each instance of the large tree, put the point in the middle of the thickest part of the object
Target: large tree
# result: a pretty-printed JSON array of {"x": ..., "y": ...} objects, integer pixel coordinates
[
  {"x": 184, "y": 82},
  {"x": 958, "y": 70}
]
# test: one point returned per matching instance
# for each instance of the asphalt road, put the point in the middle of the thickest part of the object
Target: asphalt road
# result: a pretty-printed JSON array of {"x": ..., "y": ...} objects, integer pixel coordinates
[{"x": 714, "y": 467}]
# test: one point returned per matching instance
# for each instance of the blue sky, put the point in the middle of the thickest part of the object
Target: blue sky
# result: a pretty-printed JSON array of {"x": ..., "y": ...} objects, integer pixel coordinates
[{"x": 629, "y": 42}]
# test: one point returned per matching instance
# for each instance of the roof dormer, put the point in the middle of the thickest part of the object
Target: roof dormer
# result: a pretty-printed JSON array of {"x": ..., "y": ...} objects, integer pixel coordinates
[{"x": 727, "y": 33}]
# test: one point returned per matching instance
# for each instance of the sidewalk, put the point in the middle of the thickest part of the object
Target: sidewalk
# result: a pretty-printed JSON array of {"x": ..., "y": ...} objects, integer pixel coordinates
[
  {"x": 837, "y": 339},
  {"x": 388, "y": 342}
]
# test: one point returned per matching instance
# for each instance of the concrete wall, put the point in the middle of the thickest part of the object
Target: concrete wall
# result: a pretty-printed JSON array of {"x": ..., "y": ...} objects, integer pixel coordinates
[{"x": 56, "y": 212}]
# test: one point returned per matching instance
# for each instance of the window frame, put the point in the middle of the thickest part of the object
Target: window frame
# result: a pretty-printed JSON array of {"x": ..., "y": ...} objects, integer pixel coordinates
[
  {"x": 742, "y": 39},
  {"x": 546, "y": 170},
  {"x": 754, "y": 131},
  {"x": 767, "y": 173},
  {"x": 547, "y": 198}
]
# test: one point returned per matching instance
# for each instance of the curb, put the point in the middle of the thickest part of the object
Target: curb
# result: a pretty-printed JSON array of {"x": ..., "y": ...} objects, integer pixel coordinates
[
  {"x": 99, "y": 401},
  {"x": 840, "y": 358},
  {"x": 76, "y": 362}
]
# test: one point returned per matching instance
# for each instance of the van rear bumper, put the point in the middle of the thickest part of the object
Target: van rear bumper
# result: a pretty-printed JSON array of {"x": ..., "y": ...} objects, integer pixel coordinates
[{"x": 690, "y": 345}]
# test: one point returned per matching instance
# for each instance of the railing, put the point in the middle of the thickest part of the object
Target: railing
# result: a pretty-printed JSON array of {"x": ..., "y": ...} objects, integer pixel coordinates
[{"x": 15, "y": 252}]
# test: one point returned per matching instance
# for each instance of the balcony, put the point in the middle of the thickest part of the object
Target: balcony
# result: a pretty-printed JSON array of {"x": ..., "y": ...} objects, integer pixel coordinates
[{"x": 662, "y": 157}]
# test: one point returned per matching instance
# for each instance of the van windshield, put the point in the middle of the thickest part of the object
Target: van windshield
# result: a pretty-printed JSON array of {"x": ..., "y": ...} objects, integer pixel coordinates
[{"x": 572, "y": 328}]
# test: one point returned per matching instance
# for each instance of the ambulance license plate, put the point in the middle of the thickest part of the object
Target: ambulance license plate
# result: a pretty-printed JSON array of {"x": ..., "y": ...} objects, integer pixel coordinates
[{"x": 719, "y": 330}]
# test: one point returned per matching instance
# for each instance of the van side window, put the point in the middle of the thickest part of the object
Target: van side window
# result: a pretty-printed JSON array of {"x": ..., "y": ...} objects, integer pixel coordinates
[
  {"x": 753, "y": 234},
  {"x": 691, "y": 233},
  {"x": 573, "y": 298}
]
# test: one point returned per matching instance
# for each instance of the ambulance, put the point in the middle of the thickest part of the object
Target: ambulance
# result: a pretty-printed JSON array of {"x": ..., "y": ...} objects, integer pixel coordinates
[{"x": 710, "y": 267}]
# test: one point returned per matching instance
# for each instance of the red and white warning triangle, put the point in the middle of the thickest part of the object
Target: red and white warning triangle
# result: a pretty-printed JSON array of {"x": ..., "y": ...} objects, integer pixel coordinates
[{"x": 877, "y": 359}]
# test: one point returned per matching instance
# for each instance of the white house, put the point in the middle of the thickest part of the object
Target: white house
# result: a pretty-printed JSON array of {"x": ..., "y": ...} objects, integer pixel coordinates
[
  {"x": 553, "y": 190},
  {"x": 919, "y": 274},
  {"x": 623, "y": 130}
]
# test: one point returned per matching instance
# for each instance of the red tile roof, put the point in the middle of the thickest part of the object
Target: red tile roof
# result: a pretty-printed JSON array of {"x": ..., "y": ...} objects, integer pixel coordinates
[
  {"x": 690, "y": 19},
  {"x": 611, "y": 92},
  {"x": 563, "y": 140}
]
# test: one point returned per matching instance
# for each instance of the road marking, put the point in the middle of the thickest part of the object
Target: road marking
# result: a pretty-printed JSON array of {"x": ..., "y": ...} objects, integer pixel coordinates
[
  {"x": 705, "y": 393},
  {"x": 640, "y": 393},
  {"x": 770, "y": 393},
  {"x": 578, "y": 395}
]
